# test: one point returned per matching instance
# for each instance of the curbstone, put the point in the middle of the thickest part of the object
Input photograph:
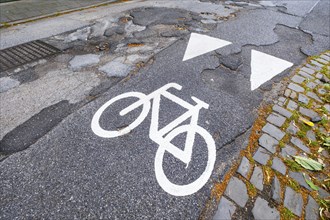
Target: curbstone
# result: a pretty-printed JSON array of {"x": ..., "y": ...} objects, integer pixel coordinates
[
  {"x": 308, "y": 70},
  {"x": 307, "y": 112},
  {"x": 268, "y": 142},
  {"x": 304, "y": 99},
  {"x": 288, "y": 151},
  {"x": 312, "y": 209},
  {"x": 298, "y": 79},
  {"x": 292, "y": 105},
  {"x": 276, "y": 190}
]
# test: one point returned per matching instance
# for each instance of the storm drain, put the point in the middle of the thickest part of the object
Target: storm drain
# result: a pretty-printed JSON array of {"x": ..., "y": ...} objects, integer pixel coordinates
[{"x": 25, "y": 53}]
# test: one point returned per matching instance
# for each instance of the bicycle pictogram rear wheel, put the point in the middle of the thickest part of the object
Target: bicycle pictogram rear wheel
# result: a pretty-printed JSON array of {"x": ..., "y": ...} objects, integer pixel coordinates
[
  {"x": 184, "y": 190},
  {"x": 98, "y": 130}
]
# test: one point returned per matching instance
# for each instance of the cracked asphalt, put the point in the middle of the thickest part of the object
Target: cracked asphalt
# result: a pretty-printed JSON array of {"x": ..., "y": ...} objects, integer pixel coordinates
[{"x": 52, "y": 164}]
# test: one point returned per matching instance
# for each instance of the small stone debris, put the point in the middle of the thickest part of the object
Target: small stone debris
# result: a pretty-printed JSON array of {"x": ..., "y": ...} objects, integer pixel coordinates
[
  {"x": 116, "y": 69},
  {"x": 81, "y": 61},
  {"x": 7, "y": 83},
  {"x": 316, "y": 119}
]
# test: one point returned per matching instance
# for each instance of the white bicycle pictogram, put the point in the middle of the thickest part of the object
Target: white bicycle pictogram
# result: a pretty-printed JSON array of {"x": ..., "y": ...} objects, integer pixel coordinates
[{"x": 164, "y": 135}]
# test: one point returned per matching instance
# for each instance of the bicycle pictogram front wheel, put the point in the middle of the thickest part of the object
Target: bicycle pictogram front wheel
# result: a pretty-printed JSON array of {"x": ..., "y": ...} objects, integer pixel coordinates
[
  {"x": 188, "y": 189},
  {"x": 98, "y": 130}
]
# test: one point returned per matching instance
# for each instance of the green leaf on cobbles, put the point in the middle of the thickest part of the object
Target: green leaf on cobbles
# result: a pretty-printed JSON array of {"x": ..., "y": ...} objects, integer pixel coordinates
[
  {"x": 308, "y": 163},
  {"x": 310, "y": 183}
]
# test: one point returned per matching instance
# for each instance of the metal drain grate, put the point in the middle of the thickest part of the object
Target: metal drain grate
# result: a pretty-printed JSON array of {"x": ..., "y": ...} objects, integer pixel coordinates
[{"x": 25, "y": 53}]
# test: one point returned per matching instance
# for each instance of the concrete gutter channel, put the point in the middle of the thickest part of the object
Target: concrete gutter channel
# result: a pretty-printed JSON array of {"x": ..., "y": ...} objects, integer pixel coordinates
[{"x": 83, "y": 70}]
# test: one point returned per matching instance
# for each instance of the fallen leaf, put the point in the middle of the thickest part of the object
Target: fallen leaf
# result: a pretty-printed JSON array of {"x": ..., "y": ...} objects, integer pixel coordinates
[
  {"x": 308, "y": 163},
  {"x": 310, "y": 183},
  {"x": 307, "y": 122}
]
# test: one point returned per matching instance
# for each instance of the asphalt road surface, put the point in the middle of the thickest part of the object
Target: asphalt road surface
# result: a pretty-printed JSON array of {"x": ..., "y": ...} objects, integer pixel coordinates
[{"x": 75, "y": 171}]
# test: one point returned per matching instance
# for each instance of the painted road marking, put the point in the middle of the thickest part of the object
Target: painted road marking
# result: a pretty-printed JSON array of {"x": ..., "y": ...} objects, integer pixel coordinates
[
  {"x": 200, "y": 44},
  {"x": 264, "y": 67},
  {"x": 164, "y": 136}
]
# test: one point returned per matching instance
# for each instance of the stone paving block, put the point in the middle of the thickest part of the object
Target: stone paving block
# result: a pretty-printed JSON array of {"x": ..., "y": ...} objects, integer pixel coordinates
[
  {"x": 323, "y": 194},
  {"x": 308, "y": 70},
  {"x": 297, "y": 142},
  {"x": 306, "y": 75},
  {"x": 316, "y": 68},
  {"x": 268, "y": 142},
  {"x": 261, "y": 210},
  {"x": 327, "y": 107},
  {"x": 288, "y": 151},
  {"x": 325, "y": 57},
  {"x": 287, "y": 92},
  {"x": 312, "y": 209},
  {"x": 303, "y": 99},
  {"x": 278, "y": 165},
  {"x": 276, "y": 119},
  {"x": 314, "y": 96},
  {"x": 236, "y": 190},
  {"x": 292, "y": 129},
  {"x": 316, "y": 63},
  {"x": 296, "y": 87},
  {"x": 322, "y": 61},
  {"x": 292, "y": 105},
  {"x": 293, "y": 95},
  {"x": 307, "y": 112},
  {"x": 311, "y": 135},
  {"x": 282, "y": 111},
  {"x": 281, "y": 99},
  {"x": 81, "y": 61},
  {"x": 261, "y": 156},
  {"x": 257, "y": 178},
  {"x": 276, "y": 190},
  {"x": 226, "y": 209},
  {"x": 319, "y": 75},
  {"x": 244, "y": 167},
  {"x": 273, "y": 131},
  {"x": 298, "y": 79},
  {"x": 293, "y": 201},
  {"x": 300, "y": 179},
  {"x": 311, "y": 85}
]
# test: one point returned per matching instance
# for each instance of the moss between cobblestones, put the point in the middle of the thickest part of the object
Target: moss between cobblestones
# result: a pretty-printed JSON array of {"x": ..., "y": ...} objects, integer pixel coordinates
[{"x": 287, "y": 214}]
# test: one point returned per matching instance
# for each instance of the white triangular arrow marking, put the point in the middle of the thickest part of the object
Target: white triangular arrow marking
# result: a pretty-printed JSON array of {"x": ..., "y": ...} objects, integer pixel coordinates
[
  {"x": 264, "y": 67},
  {"x": 200, "y": 44}
]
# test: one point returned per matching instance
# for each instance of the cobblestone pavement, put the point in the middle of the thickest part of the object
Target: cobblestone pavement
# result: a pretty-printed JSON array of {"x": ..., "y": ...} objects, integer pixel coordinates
[
  {"x": 270, "y": 182},
  {"x": 21, "y": 10}
]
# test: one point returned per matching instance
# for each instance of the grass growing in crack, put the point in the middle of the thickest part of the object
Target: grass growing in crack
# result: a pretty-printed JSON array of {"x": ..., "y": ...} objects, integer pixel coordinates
[
  {"x": 295, "y": 116},
  {"x": 287, "y": 214},
  {"x": 281, "y": 144},
  {"x": 301, "y": 134},
  {"x": 292, "y": 165},
  {"x": 252, "y": 191},
  {"x": 293, "y": 184}
]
